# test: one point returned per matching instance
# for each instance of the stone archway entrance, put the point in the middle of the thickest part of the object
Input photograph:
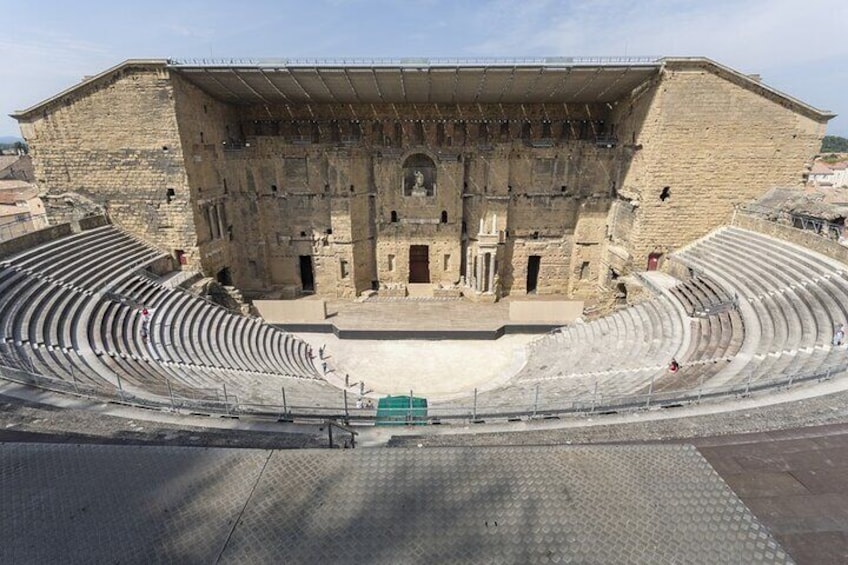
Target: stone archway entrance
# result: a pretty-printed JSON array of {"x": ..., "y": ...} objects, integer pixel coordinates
[{"x": 419, "y": 263}]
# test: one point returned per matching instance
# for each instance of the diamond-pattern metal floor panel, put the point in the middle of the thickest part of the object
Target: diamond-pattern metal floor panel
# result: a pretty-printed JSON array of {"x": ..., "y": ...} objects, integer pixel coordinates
[
  {"x": 593, "y": 504},
  {"x": 120, "y": 504}
]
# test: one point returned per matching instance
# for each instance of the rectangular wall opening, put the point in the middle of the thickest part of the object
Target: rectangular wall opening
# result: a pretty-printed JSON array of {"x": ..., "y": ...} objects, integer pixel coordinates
[
  {"x": 419, "y": 263},
  {"x": 307, "y": 275},
  {"x": 533, "y": 264}
]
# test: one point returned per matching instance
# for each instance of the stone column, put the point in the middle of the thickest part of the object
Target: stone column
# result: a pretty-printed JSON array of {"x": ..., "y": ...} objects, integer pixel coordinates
[
  {"x": 469, "y": 267},
  {"x": 213, "y": 222},
  {"x": 218, "y": 214},
  {"x": 492, "y": 272},
  {"x": 479, "y": 286}
]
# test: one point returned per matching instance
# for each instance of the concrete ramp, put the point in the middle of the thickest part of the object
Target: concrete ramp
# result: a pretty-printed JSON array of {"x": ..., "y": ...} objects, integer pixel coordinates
[
  {"x": 545, "y": 311},
  {"x": 305, "y": 311}
]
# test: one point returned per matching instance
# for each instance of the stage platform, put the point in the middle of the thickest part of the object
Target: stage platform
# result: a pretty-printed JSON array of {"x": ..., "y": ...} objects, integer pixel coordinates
[{"x": 408, "y": 318}]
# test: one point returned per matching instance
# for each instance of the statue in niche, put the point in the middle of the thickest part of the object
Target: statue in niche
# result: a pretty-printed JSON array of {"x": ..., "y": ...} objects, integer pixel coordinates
[
  {"x": 418, "y": 189},
  {"x": 419, "y": 175}
]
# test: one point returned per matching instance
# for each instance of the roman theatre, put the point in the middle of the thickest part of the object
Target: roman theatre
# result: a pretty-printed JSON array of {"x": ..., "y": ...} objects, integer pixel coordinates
[{"x": 438, "y": 244}]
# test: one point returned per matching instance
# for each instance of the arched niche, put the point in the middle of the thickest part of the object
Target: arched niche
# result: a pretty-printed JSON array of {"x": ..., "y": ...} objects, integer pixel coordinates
[{"x": 419, "y": 175}]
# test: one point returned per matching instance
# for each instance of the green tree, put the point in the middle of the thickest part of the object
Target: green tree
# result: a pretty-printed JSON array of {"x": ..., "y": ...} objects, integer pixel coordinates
[{"x": 834, "y": 144}]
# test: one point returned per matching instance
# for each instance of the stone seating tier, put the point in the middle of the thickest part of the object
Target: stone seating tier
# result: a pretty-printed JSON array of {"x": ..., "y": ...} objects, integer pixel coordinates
[{"x": 66, "y": 316}]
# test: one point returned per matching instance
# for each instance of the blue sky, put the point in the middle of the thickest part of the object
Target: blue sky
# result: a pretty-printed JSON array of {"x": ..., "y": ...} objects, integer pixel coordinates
[{"x": 798, "y": 47}]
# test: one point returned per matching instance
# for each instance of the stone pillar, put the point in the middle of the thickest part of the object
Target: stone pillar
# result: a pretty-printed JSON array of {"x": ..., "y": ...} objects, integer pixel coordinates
[
  {"x": 221, "y": 228},
  {"x": 494, "y": 224},
  {"x": 469, "y": 266},
  {"x": 479, "y": 285},
  {"x": 492, "y": 272},
  {"x": 481, "y": 226}
]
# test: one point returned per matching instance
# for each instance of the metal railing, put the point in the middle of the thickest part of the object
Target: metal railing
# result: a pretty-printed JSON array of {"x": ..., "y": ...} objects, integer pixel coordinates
[
  {"x": 802, "y": 222},
  {"x": 22, "y": 224},
  {"x": 414, "y": 62},
  {"x": 534, "y": 402}
]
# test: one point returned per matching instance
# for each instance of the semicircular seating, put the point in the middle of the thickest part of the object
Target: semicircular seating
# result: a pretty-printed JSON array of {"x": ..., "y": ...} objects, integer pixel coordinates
[
  {"x": 72, "y": 310},
  {"x": 791, "y": 299},
  {"x": 738, "y": 322}
]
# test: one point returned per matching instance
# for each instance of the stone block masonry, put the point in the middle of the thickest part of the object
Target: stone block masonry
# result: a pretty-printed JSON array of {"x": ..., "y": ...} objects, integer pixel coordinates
[
  {"x": 282, "y": 193},
  {"x": 117, "y": 145}
]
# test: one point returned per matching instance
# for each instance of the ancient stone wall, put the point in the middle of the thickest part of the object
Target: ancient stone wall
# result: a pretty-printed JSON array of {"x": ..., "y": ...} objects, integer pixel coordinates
[
  {"x": 339, "y": 184},
  {"x": 251, "y": 192},
  {"x": 701, "y": 144},
  {"x": 115, "y": 146},
  {"x": 209, "y": 129}
]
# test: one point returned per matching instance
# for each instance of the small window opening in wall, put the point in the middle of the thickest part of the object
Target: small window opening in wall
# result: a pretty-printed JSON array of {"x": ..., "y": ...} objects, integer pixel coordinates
[
  {"x": 303, "y": 234},
  {"x": 584, "y": 270},
  {"x": 205, "y": 110},
  {"x": 509, "y": 188},
  {"x": 170, "y": 194},
  {"x": 343, "y": 268},
  {"x": 563, "y": 188},
  {"x": 327, "y": 187},
  {"x": 329, "y": 231},
  {"x": 535, "y": 235},
  {"x": 506, "y": 234},
  {"x": 394, "y": 217},
  {"x": 165, "y": 148},
  {"x": 613, "y": 274},
  {"x": 666, "y": 193},
  {"x": 446, "y": 266},
  {"x": 391, "y": 263},
  {"x": 464, "y": 226},
  {"x": 202, "y": 140},
  {"x": 274, "y": 188},
  {"x": 352, "y": 189},
  {"x": 225, "y": 187},
  {"x": 444, "y": 218},
  {"x": 179, "y": 254},
  {"x": 230, "y": 232}
]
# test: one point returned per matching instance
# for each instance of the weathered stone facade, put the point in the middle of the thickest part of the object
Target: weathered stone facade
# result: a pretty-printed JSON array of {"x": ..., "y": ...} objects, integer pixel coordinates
[
  {"x": 337, "y": 198},
  {"x": 704, "y": 140},
  {"x": 113, "y": 146}
]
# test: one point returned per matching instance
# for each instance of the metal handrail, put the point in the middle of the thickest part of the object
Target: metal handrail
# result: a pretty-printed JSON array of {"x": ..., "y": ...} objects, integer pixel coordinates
[{"x": 535, "y": 407}]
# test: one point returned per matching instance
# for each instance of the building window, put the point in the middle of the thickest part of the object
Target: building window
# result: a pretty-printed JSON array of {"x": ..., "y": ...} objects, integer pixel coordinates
[
  {"x": 170, "y": 194},
  {"x": 444, "y": 218},
  {"x": 343, "y": 267},
  {"x": 447, "y": 259},
  {"x": 391, "y": 264},
  {"x": 394, "y": 217}
]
